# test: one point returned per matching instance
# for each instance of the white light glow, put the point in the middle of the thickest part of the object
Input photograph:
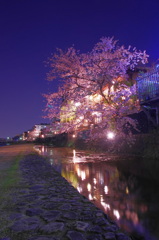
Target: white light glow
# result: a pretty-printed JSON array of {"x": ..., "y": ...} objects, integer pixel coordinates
[
  {"x": 77, "y": 104},
  {"x": 123, "y": 97},
  {"x": 94, "y": 180},
  {"x": 106, "y": 189},
  {"x": 78, "y": 172},
  {"x": 105, "y": 205},
  {"x": 83, "y": 175},
  {"x": 101, "y": 198},
  {"x": 43, "y": 149},
  {"x": 112, "y": 89},
  {"x": 116, "y": 214},
  {"x": 90, "y": 197},
  {"x": 96, "y": 113},
  {"x": 74, "y": 152},
  {"x": 89, "y": 187},
  {"x": 79, "y": 189},
  {"x": 110, "y": 135}
]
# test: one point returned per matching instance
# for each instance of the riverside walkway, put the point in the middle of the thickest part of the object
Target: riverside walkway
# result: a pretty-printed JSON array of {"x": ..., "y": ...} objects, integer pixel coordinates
[{"x": 47, "y": 207}]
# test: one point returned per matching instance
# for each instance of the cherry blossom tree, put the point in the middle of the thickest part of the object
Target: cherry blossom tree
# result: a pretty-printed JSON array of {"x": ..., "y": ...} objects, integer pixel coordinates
[{"x": 95, "y": 90}]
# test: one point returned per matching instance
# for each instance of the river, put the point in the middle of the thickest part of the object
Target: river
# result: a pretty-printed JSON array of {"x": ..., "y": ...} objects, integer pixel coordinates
[{"x": 121, "y": 190}]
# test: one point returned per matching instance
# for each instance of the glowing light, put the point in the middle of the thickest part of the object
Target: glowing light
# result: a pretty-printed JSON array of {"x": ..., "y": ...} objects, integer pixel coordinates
[
  {"x": 123, "y": 98},
  {"x": 127, "y": 190},
  {"x": 112, "y": 89},
  {"x": 96, "y": 113},
  {"x": 116, "y": 214},
  {"x": 90, "y": 197},
  {"x": 106, "y": 189},
  {"x": 78, "y": 172},
  {"x": 75, "y": 160},
  {"x": 77, "y": 104},
  {"x": 43, "y": 149},
  {"x": 97, "y": 98},
  {"x": 105, "y": 205},
  {"x": 73, "y": 135},
  {"x": 89, "y": 187},
  {"x": 74, "y": 152},
  {"x": 83, "y": 175},
  {"x": 110, "y": 135},
  {"x": 79, "y": 189},
  {"x": 106, "y": 91},
  {"x": 101, "y": 198},
  {"x": 94, "y": 180}
]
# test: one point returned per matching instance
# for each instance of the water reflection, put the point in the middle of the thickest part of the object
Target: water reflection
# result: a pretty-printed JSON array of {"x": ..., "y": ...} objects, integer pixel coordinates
[{"x": 120, "y": 194}]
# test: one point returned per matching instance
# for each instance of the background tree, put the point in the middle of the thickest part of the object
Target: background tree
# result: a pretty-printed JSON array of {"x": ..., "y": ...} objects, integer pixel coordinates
[{"x": 94, "y": 87}]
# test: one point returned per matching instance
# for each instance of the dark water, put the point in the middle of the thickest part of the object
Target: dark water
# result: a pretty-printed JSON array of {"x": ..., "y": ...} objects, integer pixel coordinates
[{"x": 121, "y": 190}]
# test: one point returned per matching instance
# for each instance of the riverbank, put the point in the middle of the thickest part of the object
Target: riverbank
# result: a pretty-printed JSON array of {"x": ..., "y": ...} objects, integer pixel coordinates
[{"x": 45, "y": 206}]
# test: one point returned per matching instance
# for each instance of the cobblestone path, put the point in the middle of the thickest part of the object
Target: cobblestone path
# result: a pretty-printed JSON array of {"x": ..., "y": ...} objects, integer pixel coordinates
[{"x": 49, "y": 208}]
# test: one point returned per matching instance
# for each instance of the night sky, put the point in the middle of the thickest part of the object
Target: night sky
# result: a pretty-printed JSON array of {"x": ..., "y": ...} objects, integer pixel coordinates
[{"x": 31, "y": 30}]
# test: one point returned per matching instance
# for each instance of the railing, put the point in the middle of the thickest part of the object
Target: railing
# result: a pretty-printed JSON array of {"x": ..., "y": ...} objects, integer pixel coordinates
[{"x": 148, "y": 86}]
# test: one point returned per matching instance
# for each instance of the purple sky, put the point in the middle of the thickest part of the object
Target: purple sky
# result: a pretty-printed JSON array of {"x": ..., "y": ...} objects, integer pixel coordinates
[{"x": 30, "y": 30}]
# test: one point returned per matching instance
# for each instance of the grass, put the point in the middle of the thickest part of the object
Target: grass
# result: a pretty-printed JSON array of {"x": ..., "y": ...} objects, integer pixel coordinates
[
  {"x": 10, "y": 176},
  {"x": 9, "y": 183},
  {"x": 9, "y": 180}
]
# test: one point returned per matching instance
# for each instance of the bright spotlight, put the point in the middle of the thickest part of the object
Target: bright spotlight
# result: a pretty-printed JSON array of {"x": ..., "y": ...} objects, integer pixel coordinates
[
  {"x": 110, "y": 135},
  {"x": 77, "y": 104}
]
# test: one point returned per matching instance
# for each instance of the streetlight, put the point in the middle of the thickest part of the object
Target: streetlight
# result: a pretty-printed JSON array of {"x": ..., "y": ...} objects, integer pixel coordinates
[{"x": 110, "y": 135}]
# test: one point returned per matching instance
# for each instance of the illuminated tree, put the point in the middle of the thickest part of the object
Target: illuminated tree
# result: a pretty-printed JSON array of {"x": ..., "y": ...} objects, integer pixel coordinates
[{"x": 95, "y": 89}]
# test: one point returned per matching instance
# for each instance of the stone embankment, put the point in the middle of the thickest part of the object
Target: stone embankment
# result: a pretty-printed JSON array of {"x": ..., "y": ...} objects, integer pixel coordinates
[{"x": 49, "y": 208}]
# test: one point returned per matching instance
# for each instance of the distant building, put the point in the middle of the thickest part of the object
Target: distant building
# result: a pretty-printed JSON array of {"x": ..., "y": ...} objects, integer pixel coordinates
[
  {"x": 35, "y": 132},
  {"x": 51, "y": 130}
]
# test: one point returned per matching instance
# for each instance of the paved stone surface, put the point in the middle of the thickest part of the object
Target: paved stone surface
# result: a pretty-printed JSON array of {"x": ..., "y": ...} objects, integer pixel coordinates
[{"x": 49, "y": 208}]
